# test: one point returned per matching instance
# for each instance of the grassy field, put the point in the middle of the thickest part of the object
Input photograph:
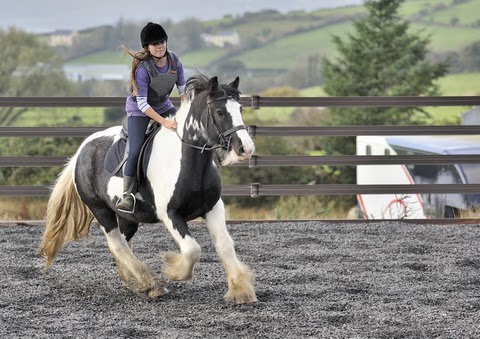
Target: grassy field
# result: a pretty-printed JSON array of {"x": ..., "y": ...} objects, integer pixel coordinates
[
  {"x": 200, "y": 59},
  {"x": 443, "y": 38},
  {"x": 289, "y": 51},
  {"x": 466, "y": 13},
  {"x": 426, "y": 15},
  {"x": 451, "y": 85},
  {"x": 341, "y": 11},
  {"x": 104, "y": 57},
  {"x": 412, "y": 7},
  {"x": 66, "y": 116}
]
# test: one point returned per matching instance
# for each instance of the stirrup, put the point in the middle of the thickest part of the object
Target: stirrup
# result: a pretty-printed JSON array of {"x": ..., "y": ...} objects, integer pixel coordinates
[{"x": 120, "y": 199}]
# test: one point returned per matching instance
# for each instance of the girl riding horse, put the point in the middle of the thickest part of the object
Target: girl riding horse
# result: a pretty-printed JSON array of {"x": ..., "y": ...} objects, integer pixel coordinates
[{"x": 182, "y": 182}]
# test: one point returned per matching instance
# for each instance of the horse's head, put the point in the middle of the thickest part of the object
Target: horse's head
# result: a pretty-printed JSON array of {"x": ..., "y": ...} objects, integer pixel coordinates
[{"x": 221, "y": 123}]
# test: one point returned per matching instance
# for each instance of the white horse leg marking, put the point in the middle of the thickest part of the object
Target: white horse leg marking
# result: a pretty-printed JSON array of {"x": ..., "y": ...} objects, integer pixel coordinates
[
  {"x": 135, "y": 274},
  {"x": 179, "y": 266},
  {"x": 239, "y": 276}
]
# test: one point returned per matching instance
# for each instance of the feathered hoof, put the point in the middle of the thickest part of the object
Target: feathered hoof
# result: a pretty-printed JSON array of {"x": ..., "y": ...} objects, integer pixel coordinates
[
  {"x": 176, "y": 267},
  {"x": 245, "y": 297},
  {"x": 157, "y": 289},
  {"x": 240, "y": 287},
  {"x": 154, "y": 290},
  {"x": 155, "y": 293}
]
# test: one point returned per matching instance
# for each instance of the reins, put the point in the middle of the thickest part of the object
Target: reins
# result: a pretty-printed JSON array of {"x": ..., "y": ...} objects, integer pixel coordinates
[{"x": 225, "y": 143}]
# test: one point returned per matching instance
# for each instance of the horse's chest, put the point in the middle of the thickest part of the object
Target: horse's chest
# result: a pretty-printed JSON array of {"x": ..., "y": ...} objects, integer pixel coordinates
[{"x": 194, "y": 196}]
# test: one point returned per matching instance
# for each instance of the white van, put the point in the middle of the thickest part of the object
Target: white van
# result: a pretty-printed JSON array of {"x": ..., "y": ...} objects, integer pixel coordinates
[{"x": 417, "y": 206}]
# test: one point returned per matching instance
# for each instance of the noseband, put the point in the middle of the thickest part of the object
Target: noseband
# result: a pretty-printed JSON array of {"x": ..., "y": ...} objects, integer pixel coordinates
[{"x": 224, "y": 136}]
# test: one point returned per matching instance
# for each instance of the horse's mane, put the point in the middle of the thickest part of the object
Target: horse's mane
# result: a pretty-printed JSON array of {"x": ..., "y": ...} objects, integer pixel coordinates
[{"x": 198, "y": 85}]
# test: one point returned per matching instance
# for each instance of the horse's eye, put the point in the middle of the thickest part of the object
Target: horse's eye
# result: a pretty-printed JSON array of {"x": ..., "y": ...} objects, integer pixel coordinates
[{"x": 219, "y": 111}]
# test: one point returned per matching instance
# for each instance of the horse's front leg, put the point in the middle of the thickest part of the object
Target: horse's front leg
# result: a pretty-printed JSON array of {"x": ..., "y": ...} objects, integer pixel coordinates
[
  {"x": 239, "y": 275},
  {"x": 179, "y": 266}
]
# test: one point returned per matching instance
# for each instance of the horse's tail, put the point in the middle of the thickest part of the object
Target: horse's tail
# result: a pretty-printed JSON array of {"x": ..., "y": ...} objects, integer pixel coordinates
[{"x": 67, "y": 217}]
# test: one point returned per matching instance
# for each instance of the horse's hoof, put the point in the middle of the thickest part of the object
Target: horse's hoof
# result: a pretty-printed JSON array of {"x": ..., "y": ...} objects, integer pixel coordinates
[
  {"x": 241, "y": 299},
  {"x": 245, "y": 301},
  {"x": 155, "y": 293}
]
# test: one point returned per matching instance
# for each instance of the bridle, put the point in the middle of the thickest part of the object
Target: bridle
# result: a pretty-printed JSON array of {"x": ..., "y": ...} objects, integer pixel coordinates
[{"x": 224, "y": 136}]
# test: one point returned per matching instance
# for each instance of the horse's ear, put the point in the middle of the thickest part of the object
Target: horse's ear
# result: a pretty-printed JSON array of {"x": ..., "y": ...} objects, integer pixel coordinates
[
  {"x": 235, "y": 83},
  {"x": 213, "y": 84}
]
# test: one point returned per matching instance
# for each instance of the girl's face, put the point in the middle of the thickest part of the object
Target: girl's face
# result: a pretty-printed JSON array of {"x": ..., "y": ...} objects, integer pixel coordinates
[{"x": 158, "y": 49}]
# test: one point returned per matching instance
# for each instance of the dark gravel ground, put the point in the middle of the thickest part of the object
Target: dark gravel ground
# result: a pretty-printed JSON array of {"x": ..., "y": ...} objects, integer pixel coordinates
[{"x": 313, "y": 280}]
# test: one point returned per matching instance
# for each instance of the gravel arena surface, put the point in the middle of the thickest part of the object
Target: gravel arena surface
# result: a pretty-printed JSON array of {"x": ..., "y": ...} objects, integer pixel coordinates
[{"x": 314, "y": 279}]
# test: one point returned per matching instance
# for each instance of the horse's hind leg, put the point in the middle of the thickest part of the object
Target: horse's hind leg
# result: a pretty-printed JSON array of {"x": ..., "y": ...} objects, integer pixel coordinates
[
  {"x": 134, "y": 274},
  {"x": 239, "y": 276}
]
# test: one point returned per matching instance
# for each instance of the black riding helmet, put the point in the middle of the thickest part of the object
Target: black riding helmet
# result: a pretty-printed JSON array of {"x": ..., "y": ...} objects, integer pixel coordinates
[{"x": 152, "y": 33}]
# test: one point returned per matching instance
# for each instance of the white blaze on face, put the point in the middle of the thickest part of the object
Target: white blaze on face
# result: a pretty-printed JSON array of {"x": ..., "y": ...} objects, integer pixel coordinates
[{"x": 234, "y": 108}]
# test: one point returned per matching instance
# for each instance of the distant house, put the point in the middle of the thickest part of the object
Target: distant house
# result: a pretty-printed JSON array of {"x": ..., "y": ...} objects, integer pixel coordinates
[
  {"x": 62, "y": 38},
  {"x": 221, "y": 39}
]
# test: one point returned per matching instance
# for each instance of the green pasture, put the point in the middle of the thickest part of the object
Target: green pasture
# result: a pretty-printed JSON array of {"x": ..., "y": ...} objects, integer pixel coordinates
[
  {"x": 460, "y": 84},
  {"x": 413, "y": 7},
  {"x": 451, "y": 85},
  {"x": 287, "y": 52},
  {"x": 104, "y": 57},
  {"x": 277, "y": 27},
  {"x": 443, "y": 38},
  {"x": 61, "y": 116},
  {"x": 454, "y": 85},
  {"x": 316, "y": 91},
  {"x": 467, "y": 13},
  {"x": 201, "y": 58},
  {"x": 341, "y": 11}
]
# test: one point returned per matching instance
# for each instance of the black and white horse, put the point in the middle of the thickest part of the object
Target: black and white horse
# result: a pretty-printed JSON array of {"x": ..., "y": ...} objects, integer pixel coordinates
[{"x": 181, "y": 183}]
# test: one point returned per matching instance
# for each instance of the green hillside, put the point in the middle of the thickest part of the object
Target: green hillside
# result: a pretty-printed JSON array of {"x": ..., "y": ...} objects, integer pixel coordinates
[
  {"x": 444, "y": 38},
  {"x": 467, "y": 14},
  {"x": 285, "y": 53},
  {"x": 425, "y": 15},
  {"x": 293, "y": 37},
  {"x": 283, "y": 41}
]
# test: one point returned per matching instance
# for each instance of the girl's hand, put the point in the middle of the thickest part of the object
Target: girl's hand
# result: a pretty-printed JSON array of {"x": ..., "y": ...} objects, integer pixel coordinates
[{"x": 170, "y": 124}]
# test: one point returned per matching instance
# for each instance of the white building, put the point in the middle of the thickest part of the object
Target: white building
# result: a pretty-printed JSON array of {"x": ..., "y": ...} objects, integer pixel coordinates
[
  {"x": 62, "y": 38},
  {"x": 221, "y": 39}
]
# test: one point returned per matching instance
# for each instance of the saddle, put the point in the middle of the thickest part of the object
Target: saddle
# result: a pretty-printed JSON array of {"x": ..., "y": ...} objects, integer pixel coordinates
[{"x": 118, "y": 153}]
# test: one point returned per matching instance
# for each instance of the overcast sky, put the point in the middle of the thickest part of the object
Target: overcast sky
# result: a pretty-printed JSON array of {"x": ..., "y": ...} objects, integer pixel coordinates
[{"x": 49, "y": 15}]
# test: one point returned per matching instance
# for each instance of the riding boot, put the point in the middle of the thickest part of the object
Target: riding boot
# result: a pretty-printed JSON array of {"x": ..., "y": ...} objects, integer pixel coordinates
[{"x": 126, "y": 203}]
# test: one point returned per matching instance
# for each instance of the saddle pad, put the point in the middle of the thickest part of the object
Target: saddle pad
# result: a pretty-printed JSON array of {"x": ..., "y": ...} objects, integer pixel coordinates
[{"x": 115, "y": 155}]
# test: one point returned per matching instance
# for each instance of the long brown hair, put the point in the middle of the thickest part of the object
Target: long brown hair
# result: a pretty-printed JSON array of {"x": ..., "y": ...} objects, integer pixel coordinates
[{"x": 138, "y": 57}]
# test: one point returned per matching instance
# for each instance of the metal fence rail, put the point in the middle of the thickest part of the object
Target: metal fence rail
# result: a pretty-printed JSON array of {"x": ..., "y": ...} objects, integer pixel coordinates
[
  {"x": 256, "y": 102},
  {"x": 285, "y": 160},
  {"x": 258, "y": 190},
  {"x": 255, "y": 131}
]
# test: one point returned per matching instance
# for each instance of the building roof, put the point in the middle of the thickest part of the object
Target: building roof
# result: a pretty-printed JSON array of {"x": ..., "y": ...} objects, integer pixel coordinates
[{"x": 442, "y": 144}]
